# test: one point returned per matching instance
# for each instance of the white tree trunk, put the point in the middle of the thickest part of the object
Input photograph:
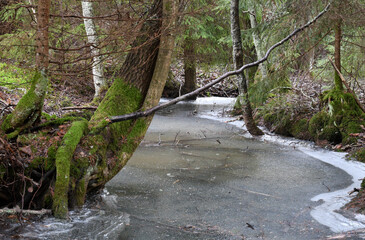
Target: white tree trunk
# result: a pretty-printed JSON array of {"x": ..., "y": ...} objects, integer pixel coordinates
[
  {"x": 31, "y": 2},
  {"x": 97, "y": 69},
  {"x": 257, "y": 41}
]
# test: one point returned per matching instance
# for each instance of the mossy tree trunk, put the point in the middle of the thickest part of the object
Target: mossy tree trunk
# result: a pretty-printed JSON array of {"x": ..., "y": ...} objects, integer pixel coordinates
[
  {"x": 238, "y": 63},
  {"x": 29, "y": 108},
  {"x": 106, "y": 148}
]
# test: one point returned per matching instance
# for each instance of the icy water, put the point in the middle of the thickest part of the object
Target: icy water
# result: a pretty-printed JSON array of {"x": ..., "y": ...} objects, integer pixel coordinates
[{"x": 202, "y": 178}]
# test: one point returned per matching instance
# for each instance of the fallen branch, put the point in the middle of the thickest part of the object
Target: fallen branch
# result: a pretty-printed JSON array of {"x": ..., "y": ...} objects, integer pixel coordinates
[
  {"x": 80, "y": 108},
  {"x": 347, "y": 86},
  {"x": 13, "y": 211},
  {"x": 150, "y": 111}
]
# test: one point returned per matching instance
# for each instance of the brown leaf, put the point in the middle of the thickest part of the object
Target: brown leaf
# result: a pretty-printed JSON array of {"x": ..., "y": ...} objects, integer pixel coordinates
[
  {"x": 26, "y": 150},
  {"x": 354, "y": 134}
]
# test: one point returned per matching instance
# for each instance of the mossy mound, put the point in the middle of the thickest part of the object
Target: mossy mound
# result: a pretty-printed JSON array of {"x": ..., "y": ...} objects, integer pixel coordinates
[{"x": 299, "y": 129}]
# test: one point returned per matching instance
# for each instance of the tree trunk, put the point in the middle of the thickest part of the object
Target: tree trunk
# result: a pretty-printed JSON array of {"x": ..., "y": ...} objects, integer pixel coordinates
[
  {"x": 257, "y": 41},
  {"x": 29, "y": 108},
  {"x": 189, "y": 67},
  {"x": 105, "y": 150},
  {"x": 238, "y": 63},
  {"x": 338, "y": 36},
  {"x": 97, "y": 68}
]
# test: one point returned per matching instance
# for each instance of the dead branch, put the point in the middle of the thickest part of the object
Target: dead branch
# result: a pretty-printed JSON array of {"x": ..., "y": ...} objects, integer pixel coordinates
[
  {"x": 347, "y": 86},
  {"x": 150, "y": 111},
  {"x": 79, "y": 108},
  {"x": 13, "y": 211}
]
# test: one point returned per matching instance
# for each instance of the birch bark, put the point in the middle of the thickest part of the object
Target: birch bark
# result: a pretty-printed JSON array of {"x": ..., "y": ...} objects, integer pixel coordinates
[
  {"x": 257, "y": 41},
  {"x": 92, "y": 37}
]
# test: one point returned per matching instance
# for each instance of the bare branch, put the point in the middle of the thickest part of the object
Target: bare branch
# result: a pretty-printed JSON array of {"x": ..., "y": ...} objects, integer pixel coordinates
[{"x": 150, "y": 111}]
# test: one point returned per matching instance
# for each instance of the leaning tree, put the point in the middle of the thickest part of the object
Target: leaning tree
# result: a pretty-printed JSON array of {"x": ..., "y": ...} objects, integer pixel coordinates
[{"x": 91, "y": 151}]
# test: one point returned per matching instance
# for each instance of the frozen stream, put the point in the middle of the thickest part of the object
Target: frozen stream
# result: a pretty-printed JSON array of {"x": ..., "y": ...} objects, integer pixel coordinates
[{"x": 197, "y": 177}]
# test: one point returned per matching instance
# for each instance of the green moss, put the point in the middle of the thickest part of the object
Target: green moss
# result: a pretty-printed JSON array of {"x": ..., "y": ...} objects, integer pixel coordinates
[
  {"x": 342, "y": 104},
  {"x": 29, "y": 107},
  {"x": 270, "y": 118},
  {"x": 48, "y": 117},
  {"x": 26, "y": 139},
  {"x": 60, "y": 121},
  {"x": 134, "y": 137},
  {"x": 360, "y": 156},
  {"x": 283, "y": 124},
  {"x": 86, "y": 114},
  {"x": 317, "y": 123},
  {"x": 331, "y": 134},
  {"x": 109, "y": 138},
  {"x": 299, "y": 129},
  {"x": 80, "y": 190},
  {"x": 63, "y": 162},
  {"x": 99, "y": 127}
]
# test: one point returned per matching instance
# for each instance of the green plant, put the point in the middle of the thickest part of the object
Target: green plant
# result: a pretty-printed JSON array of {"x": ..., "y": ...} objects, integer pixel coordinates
[{"x": 12, "y": 76}]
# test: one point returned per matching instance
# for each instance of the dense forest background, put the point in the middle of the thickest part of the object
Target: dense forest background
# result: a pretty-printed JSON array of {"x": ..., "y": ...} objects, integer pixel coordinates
[{"x": 312, "y": 87}]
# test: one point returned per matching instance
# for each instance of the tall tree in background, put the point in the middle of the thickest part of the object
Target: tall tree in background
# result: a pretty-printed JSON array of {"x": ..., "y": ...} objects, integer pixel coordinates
[
  {"x": 97, "y": 68},
  {"x": 338, "y": 36},
  {"x": 29, "y": 108},
  {"x": 257, "y": 41},
  {"x": 238, "y": 63},
  {"x": 189, "y": 66}
]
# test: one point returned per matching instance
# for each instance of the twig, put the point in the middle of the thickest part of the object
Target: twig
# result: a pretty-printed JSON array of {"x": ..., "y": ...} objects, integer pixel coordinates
[
  {"x": 79, "y": 108},
  {"x": 150, "y": 111},
  {"x": 176, "y": 141}
]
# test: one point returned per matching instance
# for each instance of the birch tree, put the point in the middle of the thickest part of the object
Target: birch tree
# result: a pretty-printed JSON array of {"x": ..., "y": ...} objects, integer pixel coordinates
[
  {"x": 257, "y": 41},
  {"x": 93, "y": 40}
]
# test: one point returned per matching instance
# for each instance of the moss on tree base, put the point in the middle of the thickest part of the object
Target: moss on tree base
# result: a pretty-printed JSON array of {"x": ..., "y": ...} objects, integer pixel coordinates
[{"x": 64, "y": 156}]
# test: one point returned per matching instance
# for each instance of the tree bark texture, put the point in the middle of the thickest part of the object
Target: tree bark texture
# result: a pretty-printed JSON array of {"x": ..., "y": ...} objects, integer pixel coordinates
[
  {"x": 338, "y": 36},
  {"x": 144, "y": 51},
  {"x": 42, "y": 57},
  {"x": 97, "y": 68},
  {"x": 189, "y": 67},
  {"x": 238, "y": 63},
  {"x": 257, "y": 42}
]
